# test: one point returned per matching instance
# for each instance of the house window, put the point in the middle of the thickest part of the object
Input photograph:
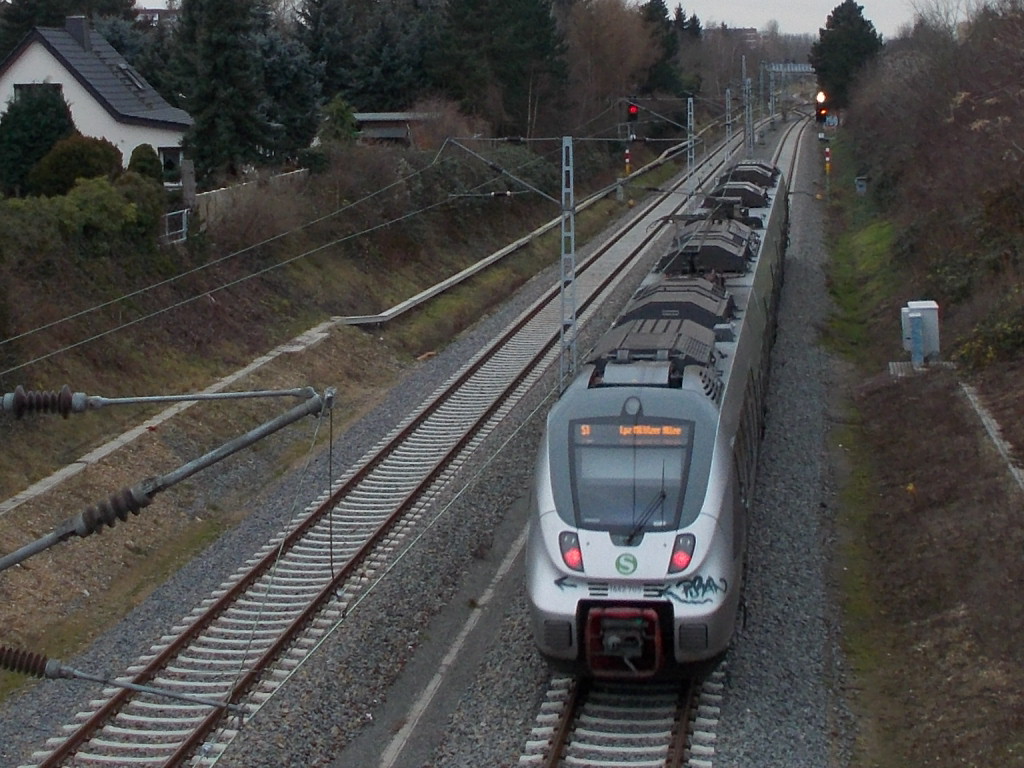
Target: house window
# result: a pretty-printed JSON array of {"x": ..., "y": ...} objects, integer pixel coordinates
[
  {"x": 170, "y": 159},
  {"x": 21, "y": 89}
]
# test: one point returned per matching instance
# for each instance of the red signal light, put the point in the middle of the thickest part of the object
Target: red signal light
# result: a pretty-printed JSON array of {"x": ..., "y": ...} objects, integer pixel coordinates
[{"x": 632, "y": 112}]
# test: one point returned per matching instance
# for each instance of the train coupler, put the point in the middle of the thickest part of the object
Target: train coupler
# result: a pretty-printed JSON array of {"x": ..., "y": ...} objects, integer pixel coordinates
[{"x": 623, "y": 642}]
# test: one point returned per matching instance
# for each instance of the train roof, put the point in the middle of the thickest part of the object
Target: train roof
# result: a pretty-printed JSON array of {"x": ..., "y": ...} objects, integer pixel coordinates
[
  {"x": 683, "y": 323},
  {"x": 748, "y": 193},
  {"x": 699, "y": 300},
  {"x": 758, "y": 173},
  {"x": 708, "y": 244},
  {"x": 682, "y": 342}
]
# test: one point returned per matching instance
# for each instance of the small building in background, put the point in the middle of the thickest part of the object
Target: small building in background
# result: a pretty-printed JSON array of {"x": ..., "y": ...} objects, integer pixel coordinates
[
  {"x": 388, "y": 127},
  {"x": 155, "y": 11}
]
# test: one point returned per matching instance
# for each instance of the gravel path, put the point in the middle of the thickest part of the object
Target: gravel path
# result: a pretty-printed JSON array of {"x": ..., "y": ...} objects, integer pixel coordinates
[
  {"x": 345, "y": 704},
  {"x": 783, "y": 703}
]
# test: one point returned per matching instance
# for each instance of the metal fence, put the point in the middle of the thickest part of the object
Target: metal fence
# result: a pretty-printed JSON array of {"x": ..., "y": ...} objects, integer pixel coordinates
[{"x": 175, "y": 227}]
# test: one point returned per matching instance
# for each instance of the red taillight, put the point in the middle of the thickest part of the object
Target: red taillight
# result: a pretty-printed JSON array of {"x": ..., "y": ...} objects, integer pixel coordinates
[
  {"x": 573, "y": 558},
  {"x": 682, "y": 553},
  {"x": 572, "y": 555}
]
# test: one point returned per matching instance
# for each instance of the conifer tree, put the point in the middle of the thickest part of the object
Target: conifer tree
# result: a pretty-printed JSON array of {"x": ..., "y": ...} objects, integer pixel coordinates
[
  {"x": 529, "y": 61},
  {"x": 460, "y": 66},
  {"x": 218, "y": 65},
  {"x": 19, "y": 16},
  {"x": 387, "y": 68},
  {"x": 292, "y": 84},
  {"x": 686, "y": 29},
  {"x": 844, "y": 46},
  {"x": 326, "y": 28},
  {"x": 32, "y": 123},
  {"x": 501, "y": 58},
  {"x": 663, "y": 76}
]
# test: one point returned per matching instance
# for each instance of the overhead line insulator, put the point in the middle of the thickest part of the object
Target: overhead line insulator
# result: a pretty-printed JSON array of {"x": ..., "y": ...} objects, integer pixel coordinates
[{"x": 23, "y": 401}]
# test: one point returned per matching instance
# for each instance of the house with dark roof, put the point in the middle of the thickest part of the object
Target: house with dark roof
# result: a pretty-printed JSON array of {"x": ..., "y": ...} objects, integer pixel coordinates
[{"x": 107, "y": 97}]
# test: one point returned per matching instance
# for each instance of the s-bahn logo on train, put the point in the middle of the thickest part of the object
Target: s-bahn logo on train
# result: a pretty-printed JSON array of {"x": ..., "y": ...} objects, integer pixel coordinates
[
  {"x": 648, "y": 456},
  {"x": 625, "y": 563}
]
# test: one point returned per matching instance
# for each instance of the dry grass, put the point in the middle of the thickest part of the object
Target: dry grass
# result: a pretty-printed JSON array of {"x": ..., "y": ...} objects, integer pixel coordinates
[
  {"x": 932, "y": 535},
  {"x": 935, "y": 542}
]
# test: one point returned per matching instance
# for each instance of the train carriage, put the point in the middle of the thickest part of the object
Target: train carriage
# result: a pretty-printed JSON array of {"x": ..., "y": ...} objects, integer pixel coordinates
[{"x": 645, "y": 471}]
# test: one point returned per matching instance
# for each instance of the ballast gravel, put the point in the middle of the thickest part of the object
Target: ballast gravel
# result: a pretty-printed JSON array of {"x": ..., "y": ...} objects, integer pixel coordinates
[{"x": 349, "y": 703}]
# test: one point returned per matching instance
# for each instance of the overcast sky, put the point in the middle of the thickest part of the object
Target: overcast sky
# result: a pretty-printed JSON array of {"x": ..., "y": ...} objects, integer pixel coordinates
[{"x": 795, "y": 17}]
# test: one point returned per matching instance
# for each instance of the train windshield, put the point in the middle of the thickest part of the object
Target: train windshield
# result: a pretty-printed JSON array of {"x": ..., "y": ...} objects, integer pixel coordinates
[{"x": 628, "y": 476}]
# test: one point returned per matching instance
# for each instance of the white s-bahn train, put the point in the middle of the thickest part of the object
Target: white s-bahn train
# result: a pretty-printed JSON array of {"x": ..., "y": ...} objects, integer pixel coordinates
[{"x": 645, "y": 473}]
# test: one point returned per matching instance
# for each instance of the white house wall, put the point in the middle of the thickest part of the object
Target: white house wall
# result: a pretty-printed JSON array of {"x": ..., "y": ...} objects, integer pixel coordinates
[{"x": 38, "y": 65}]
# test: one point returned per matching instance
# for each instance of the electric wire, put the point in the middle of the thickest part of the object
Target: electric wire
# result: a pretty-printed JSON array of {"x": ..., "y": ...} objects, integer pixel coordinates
[
  {"x": 224, "y": 286},
  {"x": 215, "y": 262},
  {"x": 272, "y": 574},
  {"x": 274, "y": 238}
]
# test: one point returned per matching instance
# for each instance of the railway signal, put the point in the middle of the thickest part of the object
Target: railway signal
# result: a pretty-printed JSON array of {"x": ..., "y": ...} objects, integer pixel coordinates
[
  {"x": 632, "y": 112},
  {"x": 821, "y": 110}
]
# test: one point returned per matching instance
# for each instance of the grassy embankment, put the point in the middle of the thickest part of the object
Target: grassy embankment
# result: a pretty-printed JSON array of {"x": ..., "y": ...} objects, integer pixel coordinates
[{"x": 929, "y": 533}]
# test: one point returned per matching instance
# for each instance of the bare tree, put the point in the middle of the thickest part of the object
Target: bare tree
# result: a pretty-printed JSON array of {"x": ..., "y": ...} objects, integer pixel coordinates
[{"x": 610, "y": 51}]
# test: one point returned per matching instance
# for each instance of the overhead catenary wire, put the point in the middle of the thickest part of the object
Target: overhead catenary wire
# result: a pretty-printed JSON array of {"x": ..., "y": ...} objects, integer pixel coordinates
[
  {"x": 242, "y": 251},
  {"x": 230, "y": 284},
  {"x": 215, "y": 262},
  {"x": 222, "y": 287},
  {"x": 269, "y": 268}
]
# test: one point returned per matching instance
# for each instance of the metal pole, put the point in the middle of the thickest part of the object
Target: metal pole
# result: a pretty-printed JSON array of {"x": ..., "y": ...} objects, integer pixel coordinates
[
  {"x": 748, "y": 117},
  {"x": 567, "y": 293},
  {"x": 728, "y": 117},
  {"x": 691, "y": 139},
  {"x": 760, "y": 92}
]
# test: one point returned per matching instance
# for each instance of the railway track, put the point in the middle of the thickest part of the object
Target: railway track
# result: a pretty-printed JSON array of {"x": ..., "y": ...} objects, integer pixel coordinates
[
  {"x": 587, "y": 724},
  {"x": 242, "y": 642},
  {"x": 603, "y": 725}
]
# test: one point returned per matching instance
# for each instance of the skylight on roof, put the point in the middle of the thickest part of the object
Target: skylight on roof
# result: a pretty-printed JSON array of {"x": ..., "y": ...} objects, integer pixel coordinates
[{"x": 132, "y": 75}]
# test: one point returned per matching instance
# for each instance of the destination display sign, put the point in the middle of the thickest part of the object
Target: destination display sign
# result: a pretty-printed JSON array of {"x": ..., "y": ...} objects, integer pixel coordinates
[{"x": 618, "y": 433}]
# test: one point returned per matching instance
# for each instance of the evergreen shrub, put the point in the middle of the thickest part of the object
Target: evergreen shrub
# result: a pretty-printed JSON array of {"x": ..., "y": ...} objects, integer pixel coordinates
[
  {"x": 998, "y": 337},
  {"x": 313, "y": 158},
  {"x": 73, "y": 158},
  {"x": 43, "y": 235},
  {"x": 146, "y": 162}
]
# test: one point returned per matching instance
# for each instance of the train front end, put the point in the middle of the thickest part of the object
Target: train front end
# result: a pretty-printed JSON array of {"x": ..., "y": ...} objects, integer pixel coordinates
[{"x": 632, "y": 563}]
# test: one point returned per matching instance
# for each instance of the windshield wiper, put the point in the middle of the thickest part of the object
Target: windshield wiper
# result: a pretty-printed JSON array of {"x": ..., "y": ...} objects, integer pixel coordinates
[{"x": 656, "y": 502}]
